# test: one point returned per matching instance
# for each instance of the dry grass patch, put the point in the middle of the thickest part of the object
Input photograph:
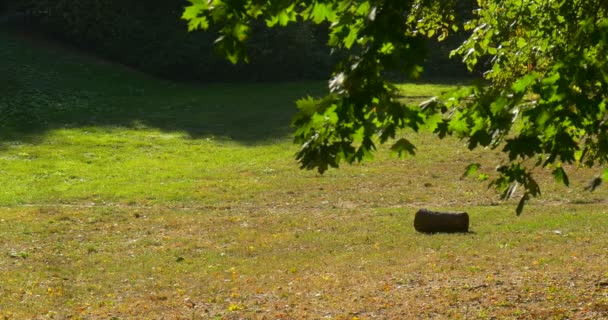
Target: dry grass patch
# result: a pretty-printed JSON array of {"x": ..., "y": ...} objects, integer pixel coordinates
[{"x": 133, "y": 263}]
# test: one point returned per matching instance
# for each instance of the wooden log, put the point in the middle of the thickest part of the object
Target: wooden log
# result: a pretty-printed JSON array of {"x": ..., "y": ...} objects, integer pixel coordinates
[{"x": 428, "y": 221}]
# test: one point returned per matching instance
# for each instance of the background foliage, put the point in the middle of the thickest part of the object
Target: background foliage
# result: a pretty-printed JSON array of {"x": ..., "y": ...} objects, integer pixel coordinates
[
  {"x": 149, "y": 36},
  {"x": 545, "y": 62},
  {"x": 546, "y": 105}
]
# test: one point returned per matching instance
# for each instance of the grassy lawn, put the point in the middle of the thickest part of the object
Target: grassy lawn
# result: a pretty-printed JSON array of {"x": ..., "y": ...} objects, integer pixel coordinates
[{"x": 129, "y": 197}]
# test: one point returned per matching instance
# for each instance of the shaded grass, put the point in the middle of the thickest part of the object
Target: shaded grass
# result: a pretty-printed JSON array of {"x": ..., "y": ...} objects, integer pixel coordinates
[
  {"x": 46, "y": 87},
  {"x": 145, "y": 210}
]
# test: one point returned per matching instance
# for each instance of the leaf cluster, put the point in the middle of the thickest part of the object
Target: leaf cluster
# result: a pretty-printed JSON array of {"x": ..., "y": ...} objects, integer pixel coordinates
[
  {"x": 543, "y": 101},
  {"x": 363, "y": 108}
]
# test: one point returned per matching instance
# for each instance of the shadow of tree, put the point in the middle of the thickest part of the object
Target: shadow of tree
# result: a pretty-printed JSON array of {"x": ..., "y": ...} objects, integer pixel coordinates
[{"x": 44, "y": 87}]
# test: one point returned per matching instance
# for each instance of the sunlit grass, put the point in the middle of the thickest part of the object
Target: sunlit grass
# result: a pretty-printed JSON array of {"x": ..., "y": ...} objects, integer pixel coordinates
[{"x": 425, "y": 90}]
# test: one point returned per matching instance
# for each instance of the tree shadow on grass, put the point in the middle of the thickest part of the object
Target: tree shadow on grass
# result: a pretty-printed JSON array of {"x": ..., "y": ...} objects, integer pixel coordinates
[{"x": 45, "y": 87}]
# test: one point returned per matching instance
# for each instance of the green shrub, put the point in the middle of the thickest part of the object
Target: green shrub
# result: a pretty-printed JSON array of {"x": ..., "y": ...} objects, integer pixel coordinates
[{"x": 150, "y": 36}]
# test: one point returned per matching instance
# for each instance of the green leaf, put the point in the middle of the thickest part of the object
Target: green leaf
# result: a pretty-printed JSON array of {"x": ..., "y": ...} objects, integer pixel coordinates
[
  {"x": 283, "y": 18},
  {"x": 272, "y": 21},
  {"x": 287, "y": 15},
  {"x": 353, "y": 33},
  {"x": 192, "y": 11},
  {"x": 551, "y": 79},
  {"x": 561, "y": 176},
  {"x": 443, "y": 35},
  {"x": 321, "y": 12},
  {"x": 432, "y": 122},
  {"x": 192, "y": 14},
  {"x": 403, "y": 146},
  {"x": 364, "y": 8},
  {"x": 240, "y": 31},
  {"x": 387, "y": 48},
  {"x": 523, "y": 83},
  {"x": 331, "y": 116},
  {"x": 498, "y": 105},
  {"x": 307, "y": 105},
  {"x": 459, "y": 126},
  {"x": 521, "y": 42},
  {"x": 358, "y": 135},
  {"x": 196, "y": 23}
]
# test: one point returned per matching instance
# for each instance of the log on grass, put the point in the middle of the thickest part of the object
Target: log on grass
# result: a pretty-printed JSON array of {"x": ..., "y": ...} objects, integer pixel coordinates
[{"x": 428, "y": 221}]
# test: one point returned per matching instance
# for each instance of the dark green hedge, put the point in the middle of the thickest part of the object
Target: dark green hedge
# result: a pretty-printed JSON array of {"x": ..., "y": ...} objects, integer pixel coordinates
[{"x": 149, "y": 35}]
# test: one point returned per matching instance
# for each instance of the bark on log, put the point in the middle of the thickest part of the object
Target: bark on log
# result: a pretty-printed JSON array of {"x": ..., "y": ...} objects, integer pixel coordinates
[{"x": 428, "y": 221}]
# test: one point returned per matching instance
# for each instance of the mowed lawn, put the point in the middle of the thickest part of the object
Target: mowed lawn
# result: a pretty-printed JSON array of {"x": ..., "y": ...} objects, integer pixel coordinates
[{"x": 127, "y": 197}]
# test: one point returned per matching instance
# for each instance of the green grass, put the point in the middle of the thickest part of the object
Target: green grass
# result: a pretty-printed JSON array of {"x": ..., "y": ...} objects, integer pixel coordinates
[{"x": 128, "y": 197}]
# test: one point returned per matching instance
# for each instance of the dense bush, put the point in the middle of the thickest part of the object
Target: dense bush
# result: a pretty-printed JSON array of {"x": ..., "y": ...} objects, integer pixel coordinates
[{"x": 149, "y": 35}]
